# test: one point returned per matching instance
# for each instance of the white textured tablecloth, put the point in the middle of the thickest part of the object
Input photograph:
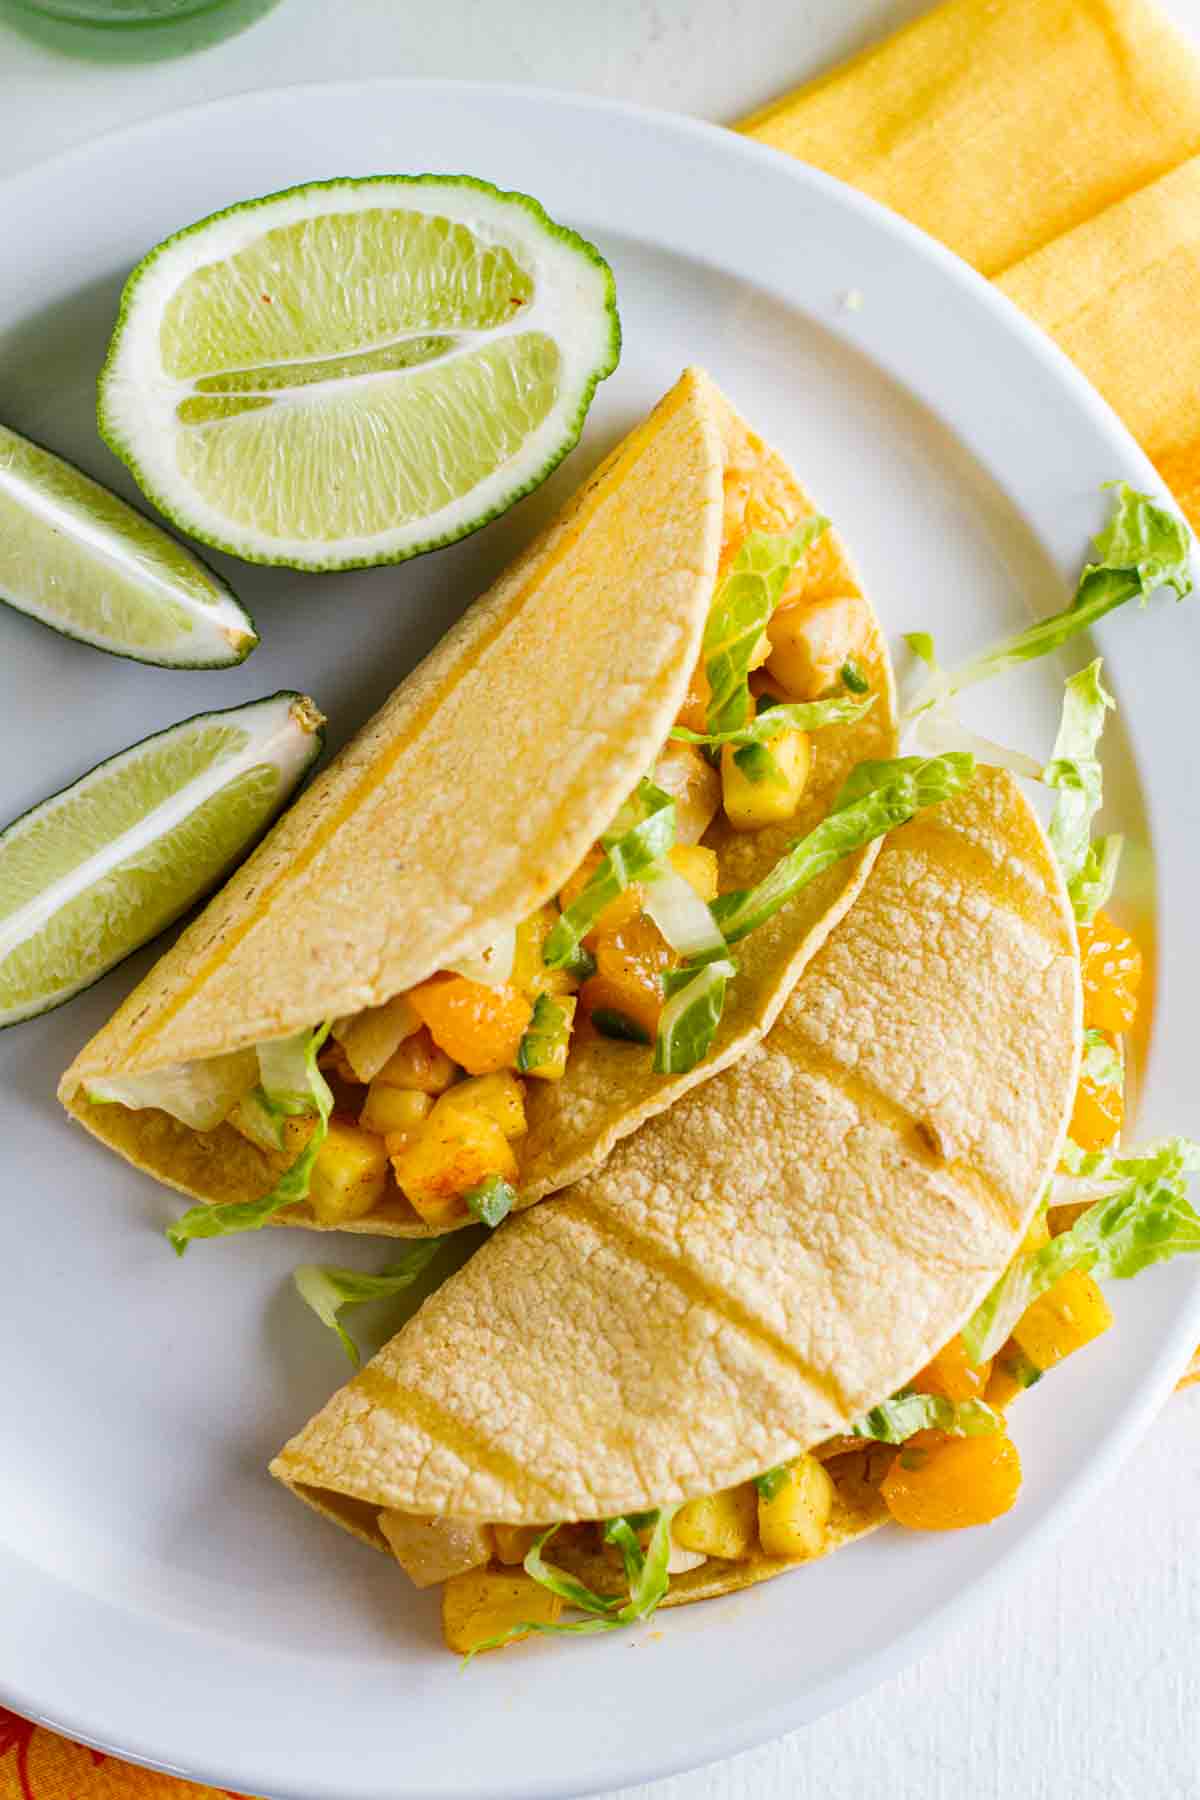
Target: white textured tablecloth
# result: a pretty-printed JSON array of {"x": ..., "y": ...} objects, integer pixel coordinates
[{"x": 1084, "y": 1683}]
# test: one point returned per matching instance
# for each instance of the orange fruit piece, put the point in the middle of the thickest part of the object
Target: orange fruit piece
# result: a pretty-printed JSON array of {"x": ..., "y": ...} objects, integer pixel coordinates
[
  {"x": 952, "y": 1374},
  {"x": 959, "y": 1482},
  {"x": 477, "y": 1026},
  {"x": 618, "y": 912},
  {"x": 1112, "y": 974},
  {"x": 1099, "y": 1110}
]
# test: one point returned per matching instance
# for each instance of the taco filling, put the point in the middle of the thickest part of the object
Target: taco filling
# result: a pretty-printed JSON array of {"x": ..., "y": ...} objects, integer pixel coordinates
[{"x": 511, "y": 1068}]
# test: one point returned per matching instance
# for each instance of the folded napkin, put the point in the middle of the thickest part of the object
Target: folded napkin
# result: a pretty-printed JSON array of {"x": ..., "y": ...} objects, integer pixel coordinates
[{"x": 1055, "y": 144}]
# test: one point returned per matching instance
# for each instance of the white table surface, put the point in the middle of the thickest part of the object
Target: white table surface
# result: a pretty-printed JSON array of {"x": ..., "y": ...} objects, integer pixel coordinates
[{"x": 1086, "y": 1680}]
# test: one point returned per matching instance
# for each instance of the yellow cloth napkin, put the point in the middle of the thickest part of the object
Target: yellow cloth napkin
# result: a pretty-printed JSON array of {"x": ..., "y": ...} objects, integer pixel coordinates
[{"x": 1055, "y": 144}]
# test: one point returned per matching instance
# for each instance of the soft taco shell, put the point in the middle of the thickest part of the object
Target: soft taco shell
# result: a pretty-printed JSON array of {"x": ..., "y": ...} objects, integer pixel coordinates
[
  {"x": 570, "y": 673},
  {"x": 780, "y": 1251}
]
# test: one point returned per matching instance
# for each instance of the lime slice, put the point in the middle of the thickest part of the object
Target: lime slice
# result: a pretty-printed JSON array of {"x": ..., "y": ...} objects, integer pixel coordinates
[
  {"x": 355, "y": 371},
  {"x": 97, "y": 870},
  {"x": 82, "y": 561}
]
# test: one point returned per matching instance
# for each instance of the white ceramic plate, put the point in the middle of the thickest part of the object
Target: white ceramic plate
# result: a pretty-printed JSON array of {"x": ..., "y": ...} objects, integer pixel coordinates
[{"x": 162, "y": 1598}]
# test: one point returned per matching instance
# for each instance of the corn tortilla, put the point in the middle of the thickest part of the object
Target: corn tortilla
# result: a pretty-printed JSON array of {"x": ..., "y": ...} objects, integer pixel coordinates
[
  {"x": 473, "y": 795},
  {"x": 780, "y": 1251}
]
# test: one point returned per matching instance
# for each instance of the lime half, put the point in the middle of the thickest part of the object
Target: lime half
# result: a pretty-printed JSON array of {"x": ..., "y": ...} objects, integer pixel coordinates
[
  {"x": 97, "y": 870},
  {"x": 78, "y": 558},
  {"x": 355, "y": 371}
]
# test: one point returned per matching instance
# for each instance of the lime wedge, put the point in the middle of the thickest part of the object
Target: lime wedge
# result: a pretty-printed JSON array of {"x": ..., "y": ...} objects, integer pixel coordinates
[
  {"x": 97, "y": 870},
  {"x": 356, "y": 371},
  {"x": 79, "y": 559}
]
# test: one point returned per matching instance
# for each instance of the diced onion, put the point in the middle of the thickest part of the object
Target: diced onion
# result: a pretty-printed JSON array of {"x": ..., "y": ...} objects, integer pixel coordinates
[{"x": 680, "y": 914}]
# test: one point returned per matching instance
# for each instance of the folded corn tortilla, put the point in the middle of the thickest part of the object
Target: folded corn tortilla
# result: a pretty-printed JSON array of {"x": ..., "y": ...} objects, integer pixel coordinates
[
  {"x": 781, "y": 1251},
  {"x": 473, "y": 795}
]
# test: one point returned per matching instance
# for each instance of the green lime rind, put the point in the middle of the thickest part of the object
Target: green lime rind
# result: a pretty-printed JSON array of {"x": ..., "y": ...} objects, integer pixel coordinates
[
  {"x": 79, "y": 559},
  {"x": 601, "y": 323},
  {"x": 95, "y": 871}
]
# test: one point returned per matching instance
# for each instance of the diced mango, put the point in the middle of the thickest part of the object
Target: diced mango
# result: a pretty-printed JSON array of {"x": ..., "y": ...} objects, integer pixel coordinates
[
  {"x": 514, "y": 1542},
  {"x": 1097, "y": 1115},
  {"x": 751, "y": 804},
  {"x": 952, "y": 1374},
  {"x": 698, "y": 866},
  {"x": 793, "y": 1521},
  {"x": 450, "y": 1154},
  {"x": 479, "y": 1027},
  {"x": 811, "y": 641},
  {"x": 544, "y": 1047},
  {"x": 389, "y": 1110},
  {"x": 529, "y": 972},
  {"x": 628, "y": 979},
  {"x": 432, "y": 1550},
  {"x": 350, "y": 1175},
  {"x": 724, "y": 1524},
  {"x": 486, "y": 1603},
  {"x": 501, "y": 1097},
  {"x": 368, "y": 1039},
  {"x": 1071, "y": 1314},
  {"x": 418, "y": 1063},
  {"x": 694, "y": 785},
  {"x": 953, "y": 1483}
]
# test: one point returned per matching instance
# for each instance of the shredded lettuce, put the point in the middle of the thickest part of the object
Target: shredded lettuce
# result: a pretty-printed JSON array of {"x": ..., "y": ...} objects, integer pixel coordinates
[
  {"x": 1142, "y": 548},
  {"x": 786, "y": 715},
  {"x": 645, "y": 1574},
  {"x": 205, "y": 1221},
  {"x": 1074, "y": 771},
  {"x": 544, "y": 1039},
  {"x": 876, "y": 797},
  {"x": 328, "y": 1290},
  {"x": 897, "y": 1419},
  {"x": 199, "y": 1094},
  {"x": 1139, "y": 1215},
  {"x": 690, "y": 1018},
  {"x": 492, "y": 1200},
  {"x": 1103, "y": 1064},
  {"x": 641, "y": 835},
  {"x": 738, "y": 617}
]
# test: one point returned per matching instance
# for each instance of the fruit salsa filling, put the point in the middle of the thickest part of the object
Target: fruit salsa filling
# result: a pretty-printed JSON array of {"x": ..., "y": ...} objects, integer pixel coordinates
[{"x": 936, "y": 1457}]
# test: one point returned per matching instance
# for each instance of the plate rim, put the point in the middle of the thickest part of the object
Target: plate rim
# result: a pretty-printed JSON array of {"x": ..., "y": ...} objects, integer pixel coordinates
[{"x": 1170, "y": 1357}]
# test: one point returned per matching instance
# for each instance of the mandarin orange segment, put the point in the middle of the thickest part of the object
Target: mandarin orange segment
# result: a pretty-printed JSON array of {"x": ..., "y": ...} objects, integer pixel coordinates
[
  {"x": 629, "y": 970},
  {"x": 952, "y": 1374},
  {"x": 477, "y": 1026},
  {"x": 1098, "y": 1113},
  {"x": 1112, "y": 974},
  {"x": 952, "y": 1484}
]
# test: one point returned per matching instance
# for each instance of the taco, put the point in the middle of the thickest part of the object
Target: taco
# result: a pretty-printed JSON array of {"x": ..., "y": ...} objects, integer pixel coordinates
[
  {"x": 487, "y": 943},
  {"x": 658, "y": 1382}
]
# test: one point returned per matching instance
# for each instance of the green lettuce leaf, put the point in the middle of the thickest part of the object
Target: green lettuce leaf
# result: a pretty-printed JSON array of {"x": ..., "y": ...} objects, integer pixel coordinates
[
  {"x": 199, "y": 1094},
  {"x": 738, "y": 617},
  {"x": 1074, "y": 772},
  {"x": 329, "y": 1290},
  {"x": 876, "y": 797},
  {"x": 786, "y": 715},
  {"x": 772, "y": 1481},
  {"x": 682, "y": 917},
  {"x": 689, "y": 1020},
  {"x": 1139, "y": 1216},
  {"x": 1142, "y": 548},
  {"x": 545, "y": 1035},
  {"x": 897, "y": 1419},
  {"x": 205, "y": 1221},
  {"x": 641, "y": 835},
  {"x": 645, "y": 1574}
]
